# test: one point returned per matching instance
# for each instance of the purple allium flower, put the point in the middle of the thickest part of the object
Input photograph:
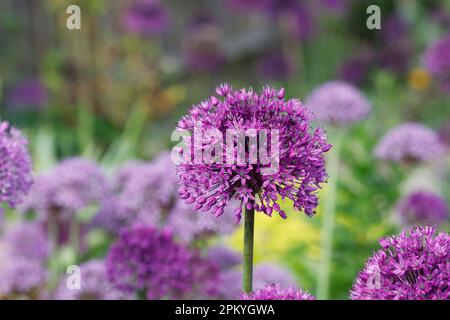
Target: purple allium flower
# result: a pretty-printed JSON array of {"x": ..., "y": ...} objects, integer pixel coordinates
[
  {"x": 247, "y": 5},
  {"x": 202, "y": 46},
  {"x": 73, "y": 185},
  {"x": 275, "y": 65},
  {"x": 422, "y": 207},
  {"x": 146, "y": 260},
  {"x": 275, "y": 292},
  {"x": 230, "y": 281},
  {"x": 29, "y": 241},
  {"x": 224, "y": 258},
  {"x": 437, "y": 61},
  {"x": 30, "y": 93},
  {"x": 15, "y": 166},
  {"x": 301, "y": 170},
  {"x": 335, "y": 6},
  {"x": 19, "y": 275},
  {"x": 409, "y": 142},
  {"x": 444, "y": 134},
  {"x": 338, "y": 103},
  {"x": 94, "y": 285},
  {"x": 146, "y": 18},
  {"x": 355, "y": 69},
  {"x": 413, "y": 265}
]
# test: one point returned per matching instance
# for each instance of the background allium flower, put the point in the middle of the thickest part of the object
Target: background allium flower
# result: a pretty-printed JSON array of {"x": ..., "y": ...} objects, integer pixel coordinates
[
  {"x": 230, "y": 284},
  {"x": 19, "y": 275},
  {"x": 73, "y": 185},
  {"x": 29, "y": 241},
  {"x": 202, "y": 46},
  {"x": 422, "y": 207},
  {"x": 275, "y": 65},
  {"x": 147, "y": 260},
  {"x": 437, "y": 60},
  {"x": 15, "y": 165},
  {"x": 146, "y": 18},
  {"x": 413, "y": 265},
  {"x": 247, "y": 5},
  {"x": 30, "y": 93},
  {"x": 275, "y": 292},
  {"x": 444, "y": 134},
  {"x": 301, "y": 161},
  {"x": 409, "y": 142},
  {"x": 94, "y": 285},
  {"x": 224, "y": 258},
  {"x": 338, "y": 103},
  {"x": 355, "y": 70}
]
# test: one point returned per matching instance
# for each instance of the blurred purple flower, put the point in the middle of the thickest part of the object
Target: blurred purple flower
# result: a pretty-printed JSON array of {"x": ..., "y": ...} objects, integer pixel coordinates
[
  {"x": 413, "y": 265},
  {"x": 422, "y": 207},
  {"x": 409, "y": 142},
  {"x": 338, "y": 103},
  {"x": 301, "y": 169},
  {"x": 148, "y": 261},
  {"x": 146, "y": 18},
  {"x": 224, "y": 258},
  {"x": 437, "y": 61},
  {"x": 28, "y": 240},
  {"x": 276, "y": 66},
  {"x": 355, "y": 70},
  {"x": 15, "y": 166},
  {"x": 202, "y": 46},
  {"x": 335, "y": 6},
  {"x": 94, "y": 285},
  {"x": 27, "y": 94},
  {"x": 275, "y": 292},
  {"x": 444, "y": 133}
]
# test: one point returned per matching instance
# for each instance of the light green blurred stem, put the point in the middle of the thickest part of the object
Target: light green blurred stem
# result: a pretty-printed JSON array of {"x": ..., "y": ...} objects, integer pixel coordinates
[
  {"x": 74, "y": 235},
  {"x": 329, "y": 213},
  {"x": 249, "y": 227}
]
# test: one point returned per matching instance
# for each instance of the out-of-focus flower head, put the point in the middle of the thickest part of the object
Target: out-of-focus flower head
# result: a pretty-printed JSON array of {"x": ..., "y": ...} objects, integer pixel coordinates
[
  {"x": 437, "y": 61},
  {"x": 444, "y": 133},
  {"x": 146, "y": 18},
  {"x": 15, "y": 166},
  {"x": 224, "y": 257},
  {"x": 413, "y": 265},
  {"x": 19, "y": 276},
  {"x": 409, "y": 142},
  {"x": 28, "y": 240},
  {"x": 276, "y": 292},
  {"x": 276, "y": 65},
  {"x": 28, "y": 94},
  {"x": 248, "y": 5},
  {"x": 355, "y": 69},
  {"x": 296, "y": 172},
  {"x": 147, "y": 261},
  {"x": 71, "y": 186},
  {"x": 334, "y": 6},
  {"x": 230, "y": 284},
  {"x": 202, "y": 46},
  {"x": 422, "y": 207},
  {"x": 338, "y": 103},
  {"x": 94, "y": 285}
]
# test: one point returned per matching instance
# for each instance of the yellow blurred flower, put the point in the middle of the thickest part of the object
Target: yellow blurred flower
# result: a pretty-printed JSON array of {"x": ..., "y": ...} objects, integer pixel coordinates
[{"x": 419, "y": 79}]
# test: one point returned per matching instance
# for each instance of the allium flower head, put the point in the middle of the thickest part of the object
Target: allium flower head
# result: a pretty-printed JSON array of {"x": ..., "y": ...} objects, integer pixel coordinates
[
  {"x": 422, "y": 207},
  {"x": 444, "y": 134},
  {"x": 275, "y": 65},
  {"x": 224, "y": 257},
  {"x": 30, "y": 93},
  {"x": 73, "y": 185},
  {"x": 275, "y": 292},
  {"x": 15, "y": 165},
  {"x": 409, "y": 142},
  {"x": 29, "y": 241},
  {"x": 338, "y": 103},
  {"x": 437, "y": 61},
  {"x": 297, "y": 165},
  {"x": 413, "y": 265},
  {"x": 94, "y": 285},
  {"x": 146, "y": 18},
  {"x": 147, "y": 260}
]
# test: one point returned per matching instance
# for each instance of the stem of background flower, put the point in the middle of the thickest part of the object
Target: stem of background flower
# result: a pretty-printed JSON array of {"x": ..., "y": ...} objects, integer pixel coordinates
[
  {"x": 53, "y": 231},
  {"x": 323, "y": 280},
  {"x": 249, "y": 227},
  {"x": 74, "y": 235}
]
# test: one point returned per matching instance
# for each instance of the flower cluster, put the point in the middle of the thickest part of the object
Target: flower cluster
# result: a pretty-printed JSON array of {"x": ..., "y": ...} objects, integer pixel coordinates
[
  {"x": 15, "y": 166},
  {"x": 147, "y": 261},
  {"x": 146, "y": 18},
  {"x": 422, "y": 207},
  {"x": 94, "y": 285},
  {"x": 410, "y": 266},
  {"x": 409, "y": 142},
  {"x": 30, "y": 93},
  {"x": 437, "y": 60},
  {"x": 301, "y": 163},
  {"x": 338, "y": 103},
  {"x": 275, "y": 292}
]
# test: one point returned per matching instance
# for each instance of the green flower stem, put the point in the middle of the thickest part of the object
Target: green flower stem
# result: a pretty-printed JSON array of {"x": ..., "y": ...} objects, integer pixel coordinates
[
  {"x": 323, "y": 281},
  {"x": 249, "y": 227}
]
